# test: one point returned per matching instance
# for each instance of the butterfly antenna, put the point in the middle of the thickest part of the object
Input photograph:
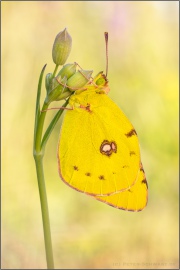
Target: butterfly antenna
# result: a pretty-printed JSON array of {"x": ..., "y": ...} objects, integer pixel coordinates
[{"x": 106, "y": 41}]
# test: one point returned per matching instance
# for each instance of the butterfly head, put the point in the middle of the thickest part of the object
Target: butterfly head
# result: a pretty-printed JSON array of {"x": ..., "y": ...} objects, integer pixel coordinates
[{"x": 99, "y": 84}]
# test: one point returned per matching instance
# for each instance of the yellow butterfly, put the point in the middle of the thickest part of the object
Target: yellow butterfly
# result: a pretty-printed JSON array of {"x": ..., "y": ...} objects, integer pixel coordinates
[{"x": 98, "y": 152}]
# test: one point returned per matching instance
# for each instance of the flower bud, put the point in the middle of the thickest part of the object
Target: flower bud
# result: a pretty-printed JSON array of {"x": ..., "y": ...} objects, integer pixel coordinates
[
  {"x": 79, "y": 79},
  {"x": 59, "y": 91},
  {"x": 55, "y": 83},
  {"x": 62, "y": 47},
  {"x": 66, "y": 93},
  {"x": 67, "y": 71},
  {"x": 48, "y": 82}
]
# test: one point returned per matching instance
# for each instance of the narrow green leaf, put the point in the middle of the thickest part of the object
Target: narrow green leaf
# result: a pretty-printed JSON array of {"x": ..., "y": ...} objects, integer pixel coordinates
[
  {"x": 37, "y": 111},
  {"x": 52, "y": 125}
]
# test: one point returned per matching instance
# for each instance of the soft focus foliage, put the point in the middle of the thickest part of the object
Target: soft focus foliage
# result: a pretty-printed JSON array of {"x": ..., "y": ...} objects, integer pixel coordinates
[{"x": 143, "y": 78}]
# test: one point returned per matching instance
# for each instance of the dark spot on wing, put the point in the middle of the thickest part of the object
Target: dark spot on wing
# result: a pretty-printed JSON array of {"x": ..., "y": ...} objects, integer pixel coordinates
[
  {"x": 125, "y": 166},
  {"x": 141, "y": 167},
  {"x": 131, "y": 133},
  {"x": 75, "y": 168},
  {"x": 132, "y": 153},
  {"x": 108, "y": 147},
  {"x": 144, "y": 181}
]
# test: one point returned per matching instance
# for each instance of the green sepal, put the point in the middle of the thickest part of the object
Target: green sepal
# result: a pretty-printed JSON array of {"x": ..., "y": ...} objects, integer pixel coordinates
[
  {"x": 67, "y": 71},
  {"x": 79, "y": 79}
]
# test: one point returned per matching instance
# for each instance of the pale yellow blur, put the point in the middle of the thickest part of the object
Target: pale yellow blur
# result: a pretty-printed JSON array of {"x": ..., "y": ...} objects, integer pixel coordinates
[{"x": 143, "y": 79}]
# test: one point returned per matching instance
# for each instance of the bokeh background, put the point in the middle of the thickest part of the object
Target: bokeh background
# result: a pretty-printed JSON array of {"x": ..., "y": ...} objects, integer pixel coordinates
[{"x": 143, "y": 78}]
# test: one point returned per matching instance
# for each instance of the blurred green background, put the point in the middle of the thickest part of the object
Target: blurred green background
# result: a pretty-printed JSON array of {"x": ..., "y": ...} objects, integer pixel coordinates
[{"x": 143, "y": 78}]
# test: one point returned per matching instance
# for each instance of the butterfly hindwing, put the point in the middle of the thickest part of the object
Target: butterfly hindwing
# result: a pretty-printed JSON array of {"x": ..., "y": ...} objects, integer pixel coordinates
[{"x": 133, "y": 199}]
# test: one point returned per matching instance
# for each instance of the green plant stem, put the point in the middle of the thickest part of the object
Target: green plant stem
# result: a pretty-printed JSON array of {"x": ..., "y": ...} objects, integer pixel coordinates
[
  {"x": 38, "y": 156},
  {"x": 38, "y": 152},
  {"x": 55, "y": 70},
  {"x": 44, "y": 210}
]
